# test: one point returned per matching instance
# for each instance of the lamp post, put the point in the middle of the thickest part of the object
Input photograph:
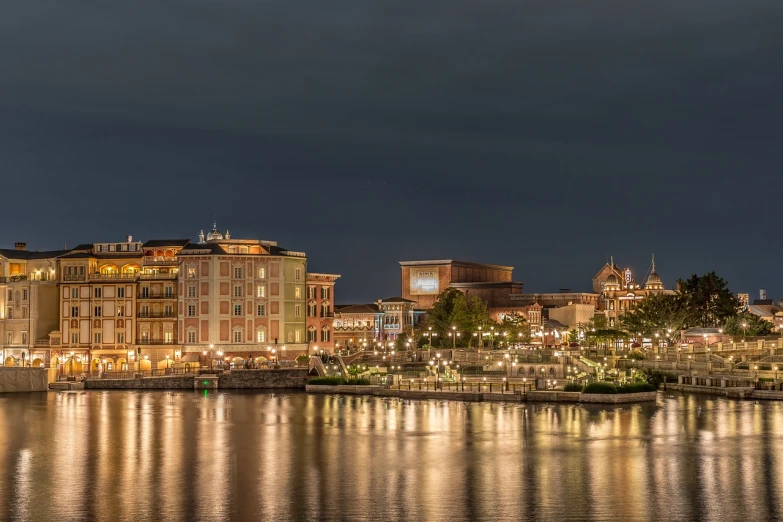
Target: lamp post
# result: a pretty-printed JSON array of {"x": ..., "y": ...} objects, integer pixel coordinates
[
  {"x": 453, "y": 334},
  {"x": 430, "y": 334}
]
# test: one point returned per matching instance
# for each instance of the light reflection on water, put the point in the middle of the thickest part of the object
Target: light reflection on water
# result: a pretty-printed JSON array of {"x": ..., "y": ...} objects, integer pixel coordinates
[{"x": 292, "y": 456}]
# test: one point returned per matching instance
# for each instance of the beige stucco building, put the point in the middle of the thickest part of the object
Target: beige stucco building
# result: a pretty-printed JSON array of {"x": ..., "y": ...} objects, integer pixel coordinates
[
  {"x": 241, "y": 298},
  {"x": 29, "y": 306}
]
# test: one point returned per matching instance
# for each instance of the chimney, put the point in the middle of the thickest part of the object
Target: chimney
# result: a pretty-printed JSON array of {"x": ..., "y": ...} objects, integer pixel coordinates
[
  {"x": 129, "y": 239},
  {"x": 762, "y": 293},
  {"x": 20, "y": 246}
]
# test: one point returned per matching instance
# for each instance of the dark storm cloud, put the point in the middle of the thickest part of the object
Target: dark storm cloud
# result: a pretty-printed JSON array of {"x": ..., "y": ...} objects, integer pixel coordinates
[{"x": 546, "y": 135}]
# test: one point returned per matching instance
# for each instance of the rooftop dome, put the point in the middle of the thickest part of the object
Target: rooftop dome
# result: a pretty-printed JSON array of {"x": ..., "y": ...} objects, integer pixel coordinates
[
  {"x": 215, "y": 233},
  {"x": 653, "y": 280}
]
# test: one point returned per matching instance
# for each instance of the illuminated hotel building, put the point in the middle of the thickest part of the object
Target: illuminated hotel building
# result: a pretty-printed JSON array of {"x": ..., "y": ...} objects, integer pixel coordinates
[
  {"x": 241, "y": 298},
  {"x": 28, "y": 304},
  {"x": 320, "y": 310}
]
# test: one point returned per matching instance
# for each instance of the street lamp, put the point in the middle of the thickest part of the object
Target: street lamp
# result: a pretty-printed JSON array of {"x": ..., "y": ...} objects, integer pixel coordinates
[{"x": 454, "y": 334}]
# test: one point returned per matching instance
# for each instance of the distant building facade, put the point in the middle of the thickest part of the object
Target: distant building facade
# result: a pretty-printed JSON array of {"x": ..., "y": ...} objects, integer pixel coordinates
[
  {"x": 320, "y": 311},
  {"x": 422, "y": 281}
]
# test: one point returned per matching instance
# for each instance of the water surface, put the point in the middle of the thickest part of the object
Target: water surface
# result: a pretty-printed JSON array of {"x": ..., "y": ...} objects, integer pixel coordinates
[{"x": 132, "y": 456}]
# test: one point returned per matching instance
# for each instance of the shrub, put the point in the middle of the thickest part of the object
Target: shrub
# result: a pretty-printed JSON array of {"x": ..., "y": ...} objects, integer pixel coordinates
[
  {"x": 572, "y": 387},
  {"x": 636, "y": 387},
  {"x": 600, "y": 387},
  {"x": 326, "y": 381},
  {"x": 636, "y": 355},
  {"x": 302, "y": 359}
]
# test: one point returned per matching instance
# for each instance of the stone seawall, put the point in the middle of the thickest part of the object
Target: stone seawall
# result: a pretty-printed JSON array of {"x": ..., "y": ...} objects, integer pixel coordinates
[
  {"x": 538, "y": 396},
  {"x": 174, "y": 382},
  {"x": 231, "y": 380},
  {"x": 262, "y": 379},
  {"x": 617, "y": 398}
]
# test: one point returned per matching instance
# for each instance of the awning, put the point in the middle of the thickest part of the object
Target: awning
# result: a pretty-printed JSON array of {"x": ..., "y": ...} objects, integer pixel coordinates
[{"x": 189, "y": 357}]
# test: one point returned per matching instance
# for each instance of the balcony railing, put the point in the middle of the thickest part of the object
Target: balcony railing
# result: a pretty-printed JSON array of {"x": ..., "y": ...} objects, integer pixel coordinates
[
  {"x": 391, "y": 327},
  {"x": 154, "y": 341},
  {"x": 80, "y": 277},
  {"x": 159, "y": 275},
  {"x": 131, "y": 276},
  {"x": 13, "y": 278},
  {"x": 160, "y": 315},
  {"x": 157, "y": 296},
  {"x": 160, "y": 261}
]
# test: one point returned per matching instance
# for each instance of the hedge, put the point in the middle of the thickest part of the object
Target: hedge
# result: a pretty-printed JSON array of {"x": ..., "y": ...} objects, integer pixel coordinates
[
  {"x": 606, "y": 387},
  {"x": 572, "y": 387},
  {"x": 600, "y": 387},
  {"x": 337, "y": 381}
]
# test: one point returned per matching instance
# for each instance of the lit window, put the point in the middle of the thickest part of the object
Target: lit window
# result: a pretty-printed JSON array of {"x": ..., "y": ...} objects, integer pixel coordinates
[
  {"x": 191, "y": 272},
  {"x": 297, "y": 293},
  {"x": 260, "y": 291},
  {"x": 261, "y": 272},
  {"x": 261, "y": 336}
]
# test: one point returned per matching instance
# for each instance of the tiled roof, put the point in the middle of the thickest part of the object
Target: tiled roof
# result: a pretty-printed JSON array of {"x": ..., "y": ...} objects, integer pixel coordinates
[
  {"x": 11, "y": 253},
  {"x": 213, "y": 248},
  {"x": 152, "y": 243},
  {"x": 357, "y": 309},
  {"x": 397, "y": 300}
]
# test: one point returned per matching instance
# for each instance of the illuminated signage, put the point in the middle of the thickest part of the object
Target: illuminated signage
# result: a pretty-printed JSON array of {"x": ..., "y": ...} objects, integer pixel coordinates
[
  {"x": 628, "y": 276},
  {"x": 424, "y": 282}
]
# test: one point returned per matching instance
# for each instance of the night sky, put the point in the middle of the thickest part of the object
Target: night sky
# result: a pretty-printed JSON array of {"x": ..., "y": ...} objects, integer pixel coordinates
[{"x": 546, "y": 135}]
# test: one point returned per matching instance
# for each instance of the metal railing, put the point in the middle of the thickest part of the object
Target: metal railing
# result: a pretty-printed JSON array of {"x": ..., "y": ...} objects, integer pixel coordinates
[
  {"x": 156, "y": 341},
  {"x": 157, "y": 296},
  {"x": 161, "y": 315},
  {"x": 471, "y": 387}
]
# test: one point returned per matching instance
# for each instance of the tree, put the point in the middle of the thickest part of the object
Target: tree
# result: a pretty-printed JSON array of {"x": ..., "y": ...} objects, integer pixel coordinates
[
  {"x": 709, "y": 298},
  {"x": 452, "y": 309},
  {"x": 756, "y": 326},
  {"x": 657, "y": 313},
  {"x": 513, "y": 328}
]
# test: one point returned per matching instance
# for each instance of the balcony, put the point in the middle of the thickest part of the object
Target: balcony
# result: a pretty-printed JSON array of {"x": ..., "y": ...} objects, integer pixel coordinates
[
  {"x": 13, "y": 278},
  {"x": 160, "y": 261},
  {"x": 391, "y": 326},
  {"x": 158, "y": 276},
  {"x": 80, "y": 277},
  {"x": 157, "y": 315},
  {"x": 154, "y": 341},
  {"x": 115, "y": 276},
  {"x": 157, "y": 296}
]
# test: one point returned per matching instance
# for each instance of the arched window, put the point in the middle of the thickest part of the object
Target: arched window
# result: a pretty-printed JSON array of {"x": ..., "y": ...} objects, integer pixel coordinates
[
  {"x": 312, "y": 334},
  {"x": 531, "y": 371},
  {"x": 325, "y": 309},
  {"x": 325, "y": 335},
  {"x": 260, "y": 335}
]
